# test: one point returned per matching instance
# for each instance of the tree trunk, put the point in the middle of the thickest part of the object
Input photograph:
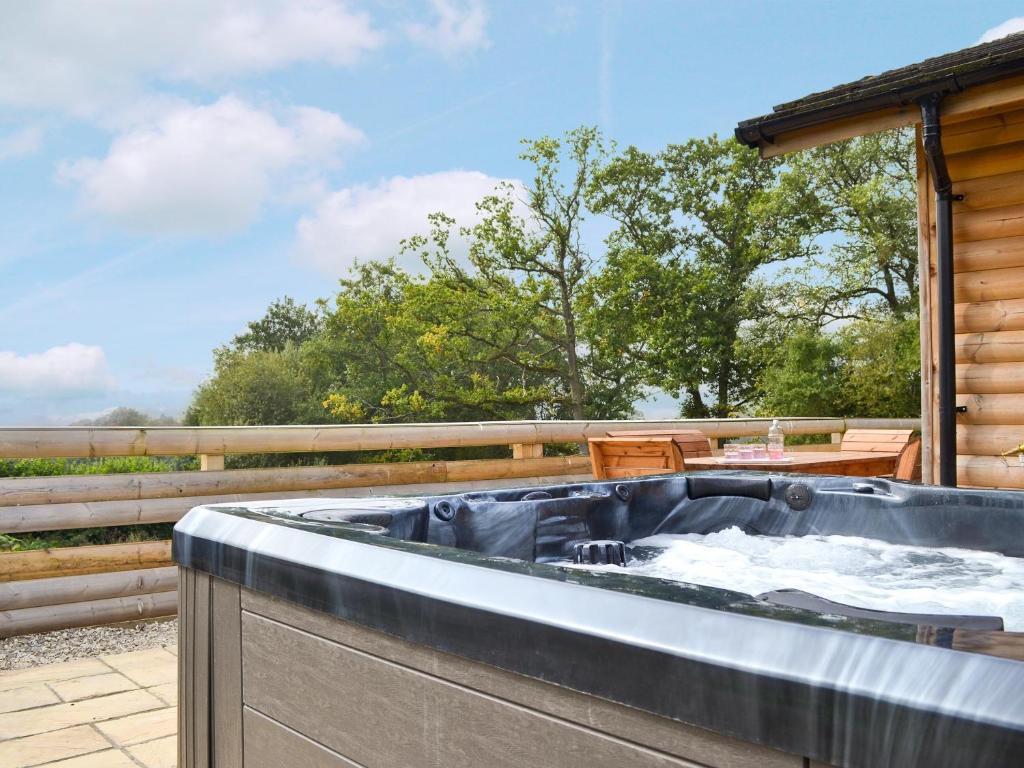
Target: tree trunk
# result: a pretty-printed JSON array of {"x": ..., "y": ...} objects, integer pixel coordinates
[
  {"x": 697, "y": 409},
  {"x": 575, "y": 382},
  {"x": 890, "y": 294}
]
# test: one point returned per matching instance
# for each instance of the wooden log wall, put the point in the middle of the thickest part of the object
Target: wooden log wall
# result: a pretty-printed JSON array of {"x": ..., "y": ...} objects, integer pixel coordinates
[
  {"x": 75, "y": 586},
  {"x": 985, "y": 155}
]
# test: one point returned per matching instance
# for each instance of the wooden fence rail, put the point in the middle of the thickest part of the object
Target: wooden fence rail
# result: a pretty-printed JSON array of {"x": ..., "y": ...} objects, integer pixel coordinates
[
  {"x": 88, "y": 442},
  {"x": 74, "y": 586}
]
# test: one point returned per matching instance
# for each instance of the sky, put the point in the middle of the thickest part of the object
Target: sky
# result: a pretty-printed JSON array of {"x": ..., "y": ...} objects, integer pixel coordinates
[{"x": 167, "y": 169}]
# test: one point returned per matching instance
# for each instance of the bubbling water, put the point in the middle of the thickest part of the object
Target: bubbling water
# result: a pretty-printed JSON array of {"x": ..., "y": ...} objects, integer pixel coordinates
[{"x": 863, "y": 572}]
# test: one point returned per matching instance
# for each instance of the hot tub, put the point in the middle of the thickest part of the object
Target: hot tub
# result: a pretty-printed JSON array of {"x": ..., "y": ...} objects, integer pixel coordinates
[{"x": 458, "y": 630}]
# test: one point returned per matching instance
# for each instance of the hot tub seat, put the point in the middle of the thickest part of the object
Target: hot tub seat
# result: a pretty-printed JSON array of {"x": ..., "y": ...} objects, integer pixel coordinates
[{"x": 797, "y": 598}]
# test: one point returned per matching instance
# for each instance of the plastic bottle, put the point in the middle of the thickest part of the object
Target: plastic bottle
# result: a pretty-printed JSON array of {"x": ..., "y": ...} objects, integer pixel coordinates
[{"x": 776, "y": 441}]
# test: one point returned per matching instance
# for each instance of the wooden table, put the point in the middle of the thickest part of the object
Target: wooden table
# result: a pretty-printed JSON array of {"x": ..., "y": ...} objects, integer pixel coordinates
[{"x": 853, "y": 463}]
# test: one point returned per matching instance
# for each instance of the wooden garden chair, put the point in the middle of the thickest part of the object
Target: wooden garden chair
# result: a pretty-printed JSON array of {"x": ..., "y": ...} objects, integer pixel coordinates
[
  {"x": 907, "y": 463},
  {"x": 899, "y": 441},
  {"x": 645, "y": 452},
  {"x": 885, "y": 440}
]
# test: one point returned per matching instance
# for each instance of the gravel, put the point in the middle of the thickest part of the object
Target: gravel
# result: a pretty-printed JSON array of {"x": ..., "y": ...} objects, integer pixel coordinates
[{"x": 67, "y": 644}]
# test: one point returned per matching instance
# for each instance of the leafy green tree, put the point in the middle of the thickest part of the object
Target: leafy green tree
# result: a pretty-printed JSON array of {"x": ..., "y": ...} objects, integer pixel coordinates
[
  {"x": 527, "y": 265},
  {"x": 806, "y": 378},
  {"x": 401, "y": 348},
  {"x": 285, "y": 322},
  {"x": 881, "y": 374},
  {"x": 261, "y": 387},
  {"x": 858, "y": 197},
  {"x": 126, "y": 417},
  {"x": 686, "y": 265},
  {"x": 868, "y": 368}
]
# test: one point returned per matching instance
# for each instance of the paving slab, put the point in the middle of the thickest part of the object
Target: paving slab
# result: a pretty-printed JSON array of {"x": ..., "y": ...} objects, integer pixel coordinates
[
  {"x": 27, "y": 722},
  {"x": 155, "y": 666},
  {"x": 108, "y": 758},
  {"x": 168, "y": 692},
  {"x": 162, "y": 753},
  {"x": 49, "y": 747},
  {"x": 146, "y": 726},
  {"x": 89, "y": 687},
  {"x": 51, "y": 672},
  {"x": 38, "y": 695}
]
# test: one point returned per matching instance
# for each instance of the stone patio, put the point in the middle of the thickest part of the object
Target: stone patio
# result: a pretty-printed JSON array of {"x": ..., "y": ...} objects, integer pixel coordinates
[{"x": 115, "y": 711}]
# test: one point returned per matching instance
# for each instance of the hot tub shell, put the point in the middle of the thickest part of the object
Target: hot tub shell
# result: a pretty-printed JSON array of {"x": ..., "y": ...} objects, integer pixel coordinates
[{"x": 443, "y": 638}]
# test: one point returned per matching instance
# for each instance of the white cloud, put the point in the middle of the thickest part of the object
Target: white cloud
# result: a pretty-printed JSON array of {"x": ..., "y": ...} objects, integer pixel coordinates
[
  {"x": 85, "y": 56},
  {"x": 1008, "y": 27},
  {"x": 206, "y": 170},
  {"x": 368, "y": 222},
  {"x": 457, "y": 27},
  {"x": 69, "y": 370},
  {"x": 23, "y": 141}
]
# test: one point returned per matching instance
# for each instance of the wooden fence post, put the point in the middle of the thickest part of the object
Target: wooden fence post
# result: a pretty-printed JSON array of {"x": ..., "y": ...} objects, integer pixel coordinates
[
  {"x": 527, "y": 450},
  {"x": 211, "y": 462}
]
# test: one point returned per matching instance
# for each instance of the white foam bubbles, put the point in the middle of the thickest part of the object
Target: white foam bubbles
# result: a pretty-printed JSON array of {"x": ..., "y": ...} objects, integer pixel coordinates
[{"x": 856, "y": 571}]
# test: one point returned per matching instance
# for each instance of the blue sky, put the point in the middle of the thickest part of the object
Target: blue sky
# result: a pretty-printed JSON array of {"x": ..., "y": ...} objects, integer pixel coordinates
[{"x": 168, "y": 169}]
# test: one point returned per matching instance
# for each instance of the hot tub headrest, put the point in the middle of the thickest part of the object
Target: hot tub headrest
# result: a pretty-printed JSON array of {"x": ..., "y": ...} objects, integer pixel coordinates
[
  {"x": 397, "y": 518},
  {"x": 701, "y": 487}
]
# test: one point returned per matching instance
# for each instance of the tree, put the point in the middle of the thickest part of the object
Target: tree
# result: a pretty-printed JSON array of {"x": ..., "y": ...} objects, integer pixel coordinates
[
  {"x": 126, "y": 417},
  {"x": 527, "y": 265},
  {"x": 881, "y": 375},
  {"x": 685, "y": 266},
  {"x": 806, "y": 378},
  {"x": 859, "y": 198},
  {"x": 260, "y": 387},
  {"x": 401, "y": 348},
  {"x": 720, "y": 283},
  {"x": 285, "y": 322},
  {"x": 868, "y": 368}
]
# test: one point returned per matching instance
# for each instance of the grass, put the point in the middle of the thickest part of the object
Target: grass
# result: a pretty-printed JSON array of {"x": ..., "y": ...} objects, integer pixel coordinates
[
  {"x": 105, "y": 466},
  {"x": 80, "y": 537}
]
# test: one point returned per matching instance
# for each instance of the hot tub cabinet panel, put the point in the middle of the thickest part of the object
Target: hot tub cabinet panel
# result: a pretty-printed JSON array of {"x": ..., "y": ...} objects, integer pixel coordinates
[
  {"x": 310, "y": 690},
  {"x": 209, "y": 671},
  {"x": 432, "y": 633}
]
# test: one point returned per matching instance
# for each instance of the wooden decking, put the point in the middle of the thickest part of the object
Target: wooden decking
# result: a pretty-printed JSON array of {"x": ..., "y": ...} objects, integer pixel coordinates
[{"x": 106, "y": 712}]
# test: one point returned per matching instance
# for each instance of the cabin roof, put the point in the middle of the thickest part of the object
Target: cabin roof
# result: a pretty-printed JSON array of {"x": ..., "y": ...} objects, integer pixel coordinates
[{"x": 949, "y": 73}]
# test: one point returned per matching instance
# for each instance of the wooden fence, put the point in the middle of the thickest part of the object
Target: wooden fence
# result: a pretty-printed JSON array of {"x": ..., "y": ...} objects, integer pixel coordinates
[{"x": 77, "y": 586}]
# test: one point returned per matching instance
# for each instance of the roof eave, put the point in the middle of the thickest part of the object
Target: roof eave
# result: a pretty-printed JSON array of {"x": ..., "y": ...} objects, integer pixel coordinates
[{"x": 762, "y": 131}]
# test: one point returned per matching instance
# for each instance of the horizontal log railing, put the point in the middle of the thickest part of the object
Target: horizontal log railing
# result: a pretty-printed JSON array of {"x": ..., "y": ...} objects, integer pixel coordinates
[
  {"x": 75, "y": 586},
  {"x": 89, "y": 442}
]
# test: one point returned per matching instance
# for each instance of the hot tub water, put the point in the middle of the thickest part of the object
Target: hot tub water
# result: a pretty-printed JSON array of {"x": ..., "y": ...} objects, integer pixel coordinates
[{"x": 856, "y": 571}]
